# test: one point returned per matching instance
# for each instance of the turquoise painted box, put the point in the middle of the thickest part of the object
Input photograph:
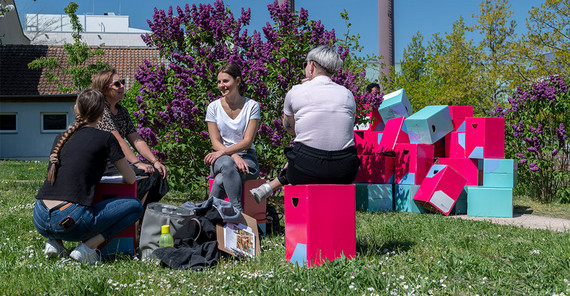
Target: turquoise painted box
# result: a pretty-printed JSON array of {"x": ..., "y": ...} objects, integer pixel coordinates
[
  {"x": 374, "y": 197},
  {"x": 404, "y": 199},
  {"x": 489, "y": 202},
  {"x": 395, "y": 104},
  {"x": 498, "y": 172},
  {"x": 429, "y": 125}
]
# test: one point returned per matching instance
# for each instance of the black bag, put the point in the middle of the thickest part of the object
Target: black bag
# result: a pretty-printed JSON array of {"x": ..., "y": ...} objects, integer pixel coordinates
[{"x": 273, "y": 220}]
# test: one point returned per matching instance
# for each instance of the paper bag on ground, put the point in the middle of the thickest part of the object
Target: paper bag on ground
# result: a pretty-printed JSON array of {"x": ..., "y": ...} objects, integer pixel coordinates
[{"x": 239, "y": 239}]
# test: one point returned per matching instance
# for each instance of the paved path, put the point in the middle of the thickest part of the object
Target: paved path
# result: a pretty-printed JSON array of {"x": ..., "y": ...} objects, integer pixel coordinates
[{"x": 527, "y": 221}]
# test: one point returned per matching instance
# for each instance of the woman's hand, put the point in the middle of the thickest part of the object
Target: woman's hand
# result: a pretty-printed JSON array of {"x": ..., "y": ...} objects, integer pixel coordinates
[
  {"x": 240, "y": 163},
  {"x": 161, "y": 169},
  {"x": 212, "y": 156},
  {"x": 147, "y": 168}
]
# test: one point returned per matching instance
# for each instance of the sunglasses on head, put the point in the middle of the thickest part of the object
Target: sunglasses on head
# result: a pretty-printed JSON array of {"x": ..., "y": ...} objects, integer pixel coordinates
[{"x": 118, "y": 83}]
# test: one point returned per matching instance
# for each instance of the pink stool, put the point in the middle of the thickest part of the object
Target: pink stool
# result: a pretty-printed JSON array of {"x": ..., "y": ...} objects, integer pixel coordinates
[
  {"x": 125, "y": 241},
  {"x": 249, "y": 206},
  {"x": 320, "y": 223}
]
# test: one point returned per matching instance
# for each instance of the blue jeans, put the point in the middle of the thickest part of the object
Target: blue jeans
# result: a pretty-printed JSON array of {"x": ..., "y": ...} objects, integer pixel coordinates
[{"x": 108, "y": 218}]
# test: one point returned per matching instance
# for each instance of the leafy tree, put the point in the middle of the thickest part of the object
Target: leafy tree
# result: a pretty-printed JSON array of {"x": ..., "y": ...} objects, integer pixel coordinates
[
  {"x": 78, "y": 53},
  {"x": 195, "y": 42}
]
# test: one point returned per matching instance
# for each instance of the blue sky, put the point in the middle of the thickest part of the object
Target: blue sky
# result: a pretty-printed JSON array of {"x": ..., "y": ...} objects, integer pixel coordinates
[{"x": 428, "y": 17}]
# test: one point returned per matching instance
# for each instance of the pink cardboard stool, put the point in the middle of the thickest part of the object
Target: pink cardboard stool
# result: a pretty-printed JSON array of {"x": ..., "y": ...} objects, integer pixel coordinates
[
  {"x": 249, "y": 206},
  {"x": 125, "y": 241},
  {"x": 469, "y": 168},
  {"x": 320, "y": 223},
  {"x": 440, "y": 189},
  {"x": 484, "y": 137},
  {"x": 412, "y": 163},
  {"x": 394, "y": 133},
  {"x": 458, "y": 115}
]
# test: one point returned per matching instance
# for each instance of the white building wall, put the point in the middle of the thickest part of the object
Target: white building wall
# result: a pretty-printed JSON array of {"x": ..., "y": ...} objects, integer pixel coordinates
[{"x": 29, "y": 142}]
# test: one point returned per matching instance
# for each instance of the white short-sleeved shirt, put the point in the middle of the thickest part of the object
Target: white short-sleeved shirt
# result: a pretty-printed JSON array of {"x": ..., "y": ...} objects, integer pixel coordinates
[
  {"x": 232, "y": 131},
  {"x": 324, "y": 114}
]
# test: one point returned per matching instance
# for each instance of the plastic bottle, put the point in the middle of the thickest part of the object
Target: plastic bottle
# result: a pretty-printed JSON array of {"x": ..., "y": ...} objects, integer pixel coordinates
[{"x": 165, "y": 239}]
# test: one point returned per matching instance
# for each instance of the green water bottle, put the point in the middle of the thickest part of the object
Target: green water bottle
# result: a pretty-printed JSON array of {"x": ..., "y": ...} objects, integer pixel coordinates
[{"x": 165, "y": 239}]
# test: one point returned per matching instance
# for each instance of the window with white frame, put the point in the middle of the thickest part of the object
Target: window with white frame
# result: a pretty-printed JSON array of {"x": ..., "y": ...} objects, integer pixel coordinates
[
  {"x": 54, "y": 122},
  {"x": 8, "y": 122}
]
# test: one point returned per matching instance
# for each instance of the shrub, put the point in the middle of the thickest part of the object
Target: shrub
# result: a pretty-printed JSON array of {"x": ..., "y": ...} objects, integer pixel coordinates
[
  {"x": 536, "y": 121},
  {"x": 193, "y": 44}
]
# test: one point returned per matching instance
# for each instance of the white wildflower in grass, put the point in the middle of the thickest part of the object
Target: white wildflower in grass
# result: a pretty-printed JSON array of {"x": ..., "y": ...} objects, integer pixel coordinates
[
  {"x": 535, "y": 252},
  {"x": 351, "y": 286},
  {"x": 370, "y": 289}
]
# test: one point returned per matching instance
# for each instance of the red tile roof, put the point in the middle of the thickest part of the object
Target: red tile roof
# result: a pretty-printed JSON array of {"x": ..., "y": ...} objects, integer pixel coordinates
[{"x": 16, "y": 79}]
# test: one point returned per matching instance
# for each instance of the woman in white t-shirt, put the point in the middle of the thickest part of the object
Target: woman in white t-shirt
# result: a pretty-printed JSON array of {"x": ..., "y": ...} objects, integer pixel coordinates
[{"x": 233, "y": 121}]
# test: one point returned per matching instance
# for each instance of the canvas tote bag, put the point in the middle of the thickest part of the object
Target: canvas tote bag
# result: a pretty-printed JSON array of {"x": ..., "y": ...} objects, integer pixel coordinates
[{"x": 183, "y": 224}]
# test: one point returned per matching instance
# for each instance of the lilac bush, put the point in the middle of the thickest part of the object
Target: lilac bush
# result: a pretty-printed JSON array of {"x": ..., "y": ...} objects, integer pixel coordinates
[
  {"x": 536, "y": 134},
  {"x": 194, "y": 42}
]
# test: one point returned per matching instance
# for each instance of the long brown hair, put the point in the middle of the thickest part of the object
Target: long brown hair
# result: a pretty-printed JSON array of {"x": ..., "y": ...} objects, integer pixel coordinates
[
  {"x": 102, "y": 80},
  {"x": 234, "y": 71},
  {"x": 90, "y": 104}
]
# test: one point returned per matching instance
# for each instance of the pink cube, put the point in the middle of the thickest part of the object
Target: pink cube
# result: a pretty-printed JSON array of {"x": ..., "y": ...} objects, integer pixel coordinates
[
  {"x": 359, "y": 143},
  {"x": 455, "y": 145},
  {"x": 484, "y": 137},
  {"x": 249, "y": 206},
  {"x": 376, "y": 168},
  {"x": 366, "y": 142},
  {"x": 469, "y": 168},
  {"x": 320, "y": 223},
  {"x": 440, "y": 189},
  {"x": 412, "y": 163},
  {"x": 394, "y": 133},
  {"x": 458, "y": 115},
  {"x": 377, "y": 124},
  {"x": 125, "y": 241}
]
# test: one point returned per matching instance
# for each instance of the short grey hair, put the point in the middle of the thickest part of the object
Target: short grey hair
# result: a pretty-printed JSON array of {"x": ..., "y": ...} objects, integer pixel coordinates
[{"x": 326, "y": 57}]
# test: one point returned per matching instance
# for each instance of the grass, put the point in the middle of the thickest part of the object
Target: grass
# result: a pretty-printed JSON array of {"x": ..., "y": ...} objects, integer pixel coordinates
[{"x": 397, "y": 253}]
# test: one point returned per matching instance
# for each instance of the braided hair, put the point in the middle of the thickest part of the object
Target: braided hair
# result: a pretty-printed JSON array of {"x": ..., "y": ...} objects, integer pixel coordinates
[{"x": 89, "y": 105}]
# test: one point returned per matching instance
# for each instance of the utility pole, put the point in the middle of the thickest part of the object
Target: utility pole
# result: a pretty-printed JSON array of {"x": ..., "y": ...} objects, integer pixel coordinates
[{"x": 290, "y": 4}]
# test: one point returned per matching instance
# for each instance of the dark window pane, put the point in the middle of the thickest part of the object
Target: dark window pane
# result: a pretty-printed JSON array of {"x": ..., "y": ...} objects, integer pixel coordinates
[
  {"x": 55, "y": 121},
  {"x": 7, "y": 122}
]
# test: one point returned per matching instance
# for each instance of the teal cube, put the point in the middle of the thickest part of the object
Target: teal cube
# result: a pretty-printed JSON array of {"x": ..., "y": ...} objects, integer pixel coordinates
[
  {"x": 499, "y": 173},
  {"x": 404, "y": 199},
  {"x": 395, "y": 104},
  {"x": 374, "y": 197},
  {"x": 489, "y": 202},
  {"x": 460, "y": 207},
  {"x": 429, "y": 125}
]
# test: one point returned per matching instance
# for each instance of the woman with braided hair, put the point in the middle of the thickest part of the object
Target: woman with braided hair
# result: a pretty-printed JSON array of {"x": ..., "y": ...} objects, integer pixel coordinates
[{"x": 64, "y": 209}]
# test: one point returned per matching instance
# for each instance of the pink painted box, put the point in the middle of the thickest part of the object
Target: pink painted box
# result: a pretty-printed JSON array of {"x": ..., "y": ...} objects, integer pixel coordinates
[
  {"x": 412, "y": 163},
  {"x": 320, "y": 223},
  {"x": 249, "y": 206},
  {"x": 440, "y": 189},
  {"x": 484, "y": 137},
  {"x": 125, "y": 241},
  {"x": 376, "y": 169},
  {"x": 376, "y": 123},
  {"x": 469, "y": 168},
  {"x": 455, "y": 147},
  {"x": 394, "y": 133},
  {"x": 366, "y": 142},
  {"x": 458, "y": 115}
]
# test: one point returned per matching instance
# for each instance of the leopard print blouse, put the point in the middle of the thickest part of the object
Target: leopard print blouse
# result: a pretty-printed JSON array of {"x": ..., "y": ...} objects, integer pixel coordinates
[{"x": 120, "y": 122}]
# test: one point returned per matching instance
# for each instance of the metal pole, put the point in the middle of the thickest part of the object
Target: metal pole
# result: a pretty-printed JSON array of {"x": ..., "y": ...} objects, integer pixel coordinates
[
  {"x": 290, "y": 4},
  {"x": 386, "y": 34}
]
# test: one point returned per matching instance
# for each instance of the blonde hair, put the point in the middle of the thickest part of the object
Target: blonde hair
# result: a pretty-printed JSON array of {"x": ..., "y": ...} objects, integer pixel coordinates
[
  {"x": 102, "y": 80},
  {"x": 90, "y": 104}
]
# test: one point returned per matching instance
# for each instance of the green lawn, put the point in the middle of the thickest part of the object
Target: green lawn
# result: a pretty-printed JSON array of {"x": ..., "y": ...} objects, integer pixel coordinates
[{"x": 397, "y": 253}]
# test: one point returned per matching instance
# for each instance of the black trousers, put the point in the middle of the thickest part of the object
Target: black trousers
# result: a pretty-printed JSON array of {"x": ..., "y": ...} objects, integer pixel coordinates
[{"x": 308, "y": 165}]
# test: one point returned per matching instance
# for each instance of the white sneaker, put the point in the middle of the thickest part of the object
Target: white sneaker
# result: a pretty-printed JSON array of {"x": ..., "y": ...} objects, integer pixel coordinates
[
  {"x": 84, "y": 254},
  {"x": 54, "y": 249},
  {"x": 262, "y": 192}
]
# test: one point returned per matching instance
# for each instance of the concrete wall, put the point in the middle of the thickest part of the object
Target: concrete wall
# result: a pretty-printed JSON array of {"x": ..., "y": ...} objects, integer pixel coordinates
[{"x": 29, "y": 142}]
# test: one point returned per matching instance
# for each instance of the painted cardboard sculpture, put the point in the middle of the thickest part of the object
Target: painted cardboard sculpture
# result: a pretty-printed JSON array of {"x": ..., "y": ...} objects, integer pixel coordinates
[
  {"x": 484, "y": 137},
  {"x": 374, "y": 197},
  {"x": 489, "y": 202},
  {"x": 320, "y": 223},
  {"x": 376, "y": 168},
  {"x": 467, "y": 167},
  {"x": 413, "y": 162},
  {"x": 499, "y": 173},
  {"x": 404, "y": 199},
  {"x": 394, "y": 133},
  {"x": 458, "y": 115},
  {"x": 395, "y": 104},
  {"x": 440, "y": 189},
  {"x": 429, "y": 125}
]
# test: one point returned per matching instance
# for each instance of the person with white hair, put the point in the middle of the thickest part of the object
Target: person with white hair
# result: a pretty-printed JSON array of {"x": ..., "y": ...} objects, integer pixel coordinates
[{"x": 319, "y": 113}]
